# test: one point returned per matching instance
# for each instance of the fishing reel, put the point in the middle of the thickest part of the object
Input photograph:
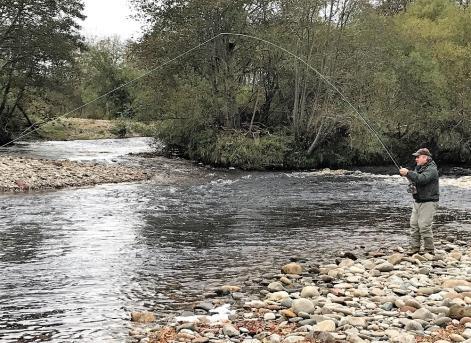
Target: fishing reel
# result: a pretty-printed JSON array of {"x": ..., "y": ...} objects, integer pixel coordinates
[{"x": 411, "y": 188}]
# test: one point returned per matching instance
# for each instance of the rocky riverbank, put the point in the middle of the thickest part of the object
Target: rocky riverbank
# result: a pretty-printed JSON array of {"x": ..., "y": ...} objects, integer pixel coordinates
[
  {"x": 19, "y": 174},
  {"x": 377, "y": 297}
]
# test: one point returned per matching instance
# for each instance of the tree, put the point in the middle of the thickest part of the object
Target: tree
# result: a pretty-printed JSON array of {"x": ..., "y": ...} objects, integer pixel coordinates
[
  {"x": 37, "y": 38},
  {"x": 103, "y": 69}
]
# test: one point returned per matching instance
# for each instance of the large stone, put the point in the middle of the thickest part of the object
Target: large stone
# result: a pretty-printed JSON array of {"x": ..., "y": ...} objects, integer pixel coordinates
[
  {"x": 277, "y": 296},
  {"x": 413, "y": 325},
  {"x": 456, "y": 338},
  {"x": 309, "y": 292},
  {"x": 458, "y": 312},
  {"x": 287, "y": 313},
  {"x": 412, "y": 302},
  {"x": 346, "y": 263},
  {"x": 230, "y": 330},
  {"x": 294, "y": 339},
  {"x": 466, "y": 333},
  {"x": 385, "y": 267},
  {"x": 325, "y": 326},
  {"x": 407, "y": 309},
  {"x": 428, "y": 290},
  {"x": 226, "y": 289},
  {"x": 463, "y": 289},
  {"x": 442, "y": 321},
  {"x": 275, "y": 287},
  {"x": 452, "y": 283},
  {"x": 422, "y": 313},
  {"x": 302, "y": 305},
  {"x": 403, "y": 338},
  {"x": 357, "y": 321},
  {"x": 143, "y": 317},
  {"x": 324, "y": 337},
  {"x": 395, "y": 258},
  {"x": 292, "y": 268},
  {"x": 204, "y": 306}
]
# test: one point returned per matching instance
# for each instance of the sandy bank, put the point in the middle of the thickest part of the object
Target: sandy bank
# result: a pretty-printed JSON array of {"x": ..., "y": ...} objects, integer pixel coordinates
[{"x": 18, "y": 174}]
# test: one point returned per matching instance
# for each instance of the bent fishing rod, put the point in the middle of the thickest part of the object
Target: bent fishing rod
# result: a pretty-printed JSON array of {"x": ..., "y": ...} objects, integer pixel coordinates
[{"x": 34, "y": 128}]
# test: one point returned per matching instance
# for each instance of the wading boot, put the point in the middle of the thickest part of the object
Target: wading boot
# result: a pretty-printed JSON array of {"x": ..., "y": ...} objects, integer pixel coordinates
[
  {"x": 412, "y": 251},
  {"x": 429, "y": 246}
]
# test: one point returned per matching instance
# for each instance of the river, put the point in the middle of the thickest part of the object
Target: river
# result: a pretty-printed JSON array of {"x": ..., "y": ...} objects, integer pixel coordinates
[{"x": 75, "y": 262}]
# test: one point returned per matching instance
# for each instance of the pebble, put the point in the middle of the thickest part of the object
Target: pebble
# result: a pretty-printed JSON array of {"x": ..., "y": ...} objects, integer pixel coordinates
[
  {"x": 373, "y": 299},
  {"x": 20, "y": 174}
]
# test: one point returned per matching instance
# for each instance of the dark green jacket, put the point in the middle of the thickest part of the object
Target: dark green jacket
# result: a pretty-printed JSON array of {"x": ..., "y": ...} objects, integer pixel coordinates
[{"x": 425, "y": 178}]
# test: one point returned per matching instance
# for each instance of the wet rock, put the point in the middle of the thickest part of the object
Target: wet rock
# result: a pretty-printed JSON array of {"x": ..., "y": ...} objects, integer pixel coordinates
[
  {"x": 226, "y": 289},
  {"x": 275, "y": 287},
  {"x": 204, "y": 306},
  {"x": 292, "y": 268},
  {"x": 349, "y": 255},
  {"x": 143, "y": 317},
  {"x": 277, "y": 296}
]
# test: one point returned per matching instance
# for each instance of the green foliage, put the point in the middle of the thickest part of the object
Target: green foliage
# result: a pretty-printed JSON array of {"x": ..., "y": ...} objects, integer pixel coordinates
[
  {"x": 403, "y": 64},
  {"x": 119, "y": 129},
  {"x": 38, "y": 40},
  {"x": 267, "y": 152},
  {"x": 104, "y": 69}
]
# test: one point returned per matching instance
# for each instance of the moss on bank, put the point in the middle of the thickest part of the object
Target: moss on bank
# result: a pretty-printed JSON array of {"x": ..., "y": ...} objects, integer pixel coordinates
[{"x": 272, "y": 151}]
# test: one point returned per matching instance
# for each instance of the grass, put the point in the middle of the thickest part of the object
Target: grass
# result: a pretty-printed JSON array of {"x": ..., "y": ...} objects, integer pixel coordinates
[{"x": 65, "y": 129}]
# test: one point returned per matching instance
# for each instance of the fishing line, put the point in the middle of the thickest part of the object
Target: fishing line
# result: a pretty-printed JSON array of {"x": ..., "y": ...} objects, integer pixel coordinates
[
  {"x": 30, "y": 129},
  {"x": 326, "y": 80}
]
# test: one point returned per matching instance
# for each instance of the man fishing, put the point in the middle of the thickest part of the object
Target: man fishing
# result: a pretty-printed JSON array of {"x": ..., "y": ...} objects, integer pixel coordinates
[{"x": 424, "y": 188}]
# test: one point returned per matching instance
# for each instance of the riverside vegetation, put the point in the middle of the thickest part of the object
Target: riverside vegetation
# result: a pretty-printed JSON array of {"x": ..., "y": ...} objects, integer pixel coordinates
[
  {"x": 240, "y": 102},
  {"x": 378, "y": 297}
]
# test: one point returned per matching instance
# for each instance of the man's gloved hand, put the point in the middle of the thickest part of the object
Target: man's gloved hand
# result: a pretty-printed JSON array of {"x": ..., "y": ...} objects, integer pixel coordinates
[{"x": 403, "y": 171}]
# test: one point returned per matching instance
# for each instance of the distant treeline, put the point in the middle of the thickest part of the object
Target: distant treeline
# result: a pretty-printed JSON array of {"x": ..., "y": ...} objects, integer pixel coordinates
[{"x": 405, "y": 65}]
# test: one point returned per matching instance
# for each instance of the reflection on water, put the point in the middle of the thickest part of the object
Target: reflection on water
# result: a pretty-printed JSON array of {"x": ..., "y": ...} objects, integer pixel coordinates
[
  {"x": 74, "y": 263},
  {"x": 106, "y": 150}
]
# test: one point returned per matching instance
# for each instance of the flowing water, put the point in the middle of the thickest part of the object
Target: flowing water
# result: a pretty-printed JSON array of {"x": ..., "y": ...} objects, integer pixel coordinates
[{"x": 74, "y": 263}]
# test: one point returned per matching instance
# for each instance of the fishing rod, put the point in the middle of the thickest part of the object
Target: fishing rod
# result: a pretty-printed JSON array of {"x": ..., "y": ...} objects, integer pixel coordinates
[
  {"x": 327, "y": 81},
  {"x": 34, "y": 128}
]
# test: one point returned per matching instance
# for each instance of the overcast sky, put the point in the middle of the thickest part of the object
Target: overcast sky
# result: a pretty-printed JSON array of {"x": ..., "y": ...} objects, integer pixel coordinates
[{"x": 108, "y": 18}]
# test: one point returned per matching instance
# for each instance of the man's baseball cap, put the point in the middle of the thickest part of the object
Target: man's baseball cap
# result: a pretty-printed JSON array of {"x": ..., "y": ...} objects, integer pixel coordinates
[{"x": 422, "y": 151}]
